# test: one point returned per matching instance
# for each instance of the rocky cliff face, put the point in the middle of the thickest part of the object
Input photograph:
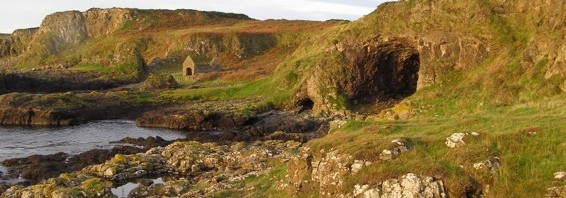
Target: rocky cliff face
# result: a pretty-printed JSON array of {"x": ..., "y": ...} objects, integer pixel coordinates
[
  {"x": 433, "y": 35},
  {"x": 242, "y": 45},
  {"x": 63, "y": 31},
  {"x": 58, "y": 32},
  {"x": 101, "y": 22},
  {"x": 17, "y": 42}
]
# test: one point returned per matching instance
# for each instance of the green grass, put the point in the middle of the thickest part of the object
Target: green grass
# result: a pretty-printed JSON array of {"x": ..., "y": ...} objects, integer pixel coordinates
[
  {"x": 264, "y": 88},
  {"x": 259, "y": 186},
  {"x": 528, "y": 162}
]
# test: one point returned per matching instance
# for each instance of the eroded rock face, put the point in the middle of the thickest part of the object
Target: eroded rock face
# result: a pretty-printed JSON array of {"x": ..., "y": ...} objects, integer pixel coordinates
[
  {"x": 437, "y": 32},
  {"x": 16, "y": 43},
  {"x": 100, "y": 22},
  {"x": 243, "y": 45},
  {"x": 379, "y": 69},
  {"x": 60, "y": 31}
]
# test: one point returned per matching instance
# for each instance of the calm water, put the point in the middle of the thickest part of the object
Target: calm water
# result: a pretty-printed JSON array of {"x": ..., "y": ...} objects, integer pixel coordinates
[{"x": 23, "y": 142}]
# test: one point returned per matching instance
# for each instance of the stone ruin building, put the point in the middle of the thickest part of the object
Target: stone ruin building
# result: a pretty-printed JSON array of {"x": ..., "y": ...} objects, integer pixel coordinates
[{"x": 191, "y": 68}]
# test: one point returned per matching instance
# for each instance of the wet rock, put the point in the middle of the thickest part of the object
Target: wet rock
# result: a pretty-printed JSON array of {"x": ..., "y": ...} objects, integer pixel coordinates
[
  {"x": 192, "y": 119},
  {"x": 38, "y": 167},
  {"x": 455, "y": 140},
  {"x": 97, "y": 156},
  {"x": 149, "y": 142}
]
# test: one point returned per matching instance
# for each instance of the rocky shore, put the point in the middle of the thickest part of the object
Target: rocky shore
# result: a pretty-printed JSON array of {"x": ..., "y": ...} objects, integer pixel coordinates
[
  {"x": 268, "y": 126},
  {"x": 192, "y": 164}
]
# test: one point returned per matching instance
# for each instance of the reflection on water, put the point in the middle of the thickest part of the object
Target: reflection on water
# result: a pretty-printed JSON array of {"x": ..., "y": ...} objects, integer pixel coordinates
[
  {"x": 22, "y": 142},
  {"x": 17, "y": 142}
]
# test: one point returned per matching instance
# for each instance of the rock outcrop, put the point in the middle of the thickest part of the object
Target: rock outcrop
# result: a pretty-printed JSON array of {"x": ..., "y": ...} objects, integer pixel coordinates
[
  {"x": 16, "y": 43},
  {"x": 31, "y": 117},
  {"x": 241, "y": 45},
  {"x": 58, "y": 32},
  {"x": 54, "y": 110},
  {"x": 328, "y": 175},
  {"x": 409, "y": 45},
  {"x": 64, "y": 30},
  {"x": 212, "y": 165},
  {"x": 193, "y": 120},
  {"x": 409, "y": 185}
]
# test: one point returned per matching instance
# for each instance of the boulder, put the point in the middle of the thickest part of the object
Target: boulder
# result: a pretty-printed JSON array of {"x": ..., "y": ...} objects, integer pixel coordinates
[
  {"x": 456, "y": 140},
  {"x": 409, "y": 185},
  {"x": 560, "y": 175},
  {"x": 491, "y": 165},
  {"x": 397, "y": 147}
]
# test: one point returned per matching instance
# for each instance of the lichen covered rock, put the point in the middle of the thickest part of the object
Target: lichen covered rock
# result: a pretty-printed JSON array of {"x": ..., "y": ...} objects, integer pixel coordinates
[{"x": 409, "y": 185}]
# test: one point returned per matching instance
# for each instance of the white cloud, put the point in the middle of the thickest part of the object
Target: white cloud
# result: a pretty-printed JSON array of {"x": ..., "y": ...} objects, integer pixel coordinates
[{"x": 29, "y": 13}]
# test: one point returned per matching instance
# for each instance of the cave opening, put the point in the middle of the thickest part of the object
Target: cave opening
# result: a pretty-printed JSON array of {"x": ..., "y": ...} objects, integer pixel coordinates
[
  {"x": 388, "y": 74},
  {"x": 305, "y": 104}
]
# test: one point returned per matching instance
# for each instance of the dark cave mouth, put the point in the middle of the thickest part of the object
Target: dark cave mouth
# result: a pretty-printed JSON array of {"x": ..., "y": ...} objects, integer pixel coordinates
[
  {"x": 391, "y": 74},
  {"x": 305, "y": 104}
]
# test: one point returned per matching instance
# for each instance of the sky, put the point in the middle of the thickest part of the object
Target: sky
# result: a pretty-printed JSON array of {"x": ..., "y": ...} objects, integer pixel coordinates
[{"x": 17, "y": 14}]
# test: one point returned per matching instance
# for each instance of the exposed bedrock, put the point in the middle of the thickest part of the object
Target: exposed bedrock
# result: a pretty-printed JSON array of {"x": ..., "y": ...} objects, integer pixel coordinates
[
  {"x": 14, "y": 116},
  {"x": 235, "y": 126},
  {"x": 38, "y": 167},
  {"x": 31, "y": 117},
  {"x": 385, "y": 69},
  {"x": 189, "y": 120}
]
